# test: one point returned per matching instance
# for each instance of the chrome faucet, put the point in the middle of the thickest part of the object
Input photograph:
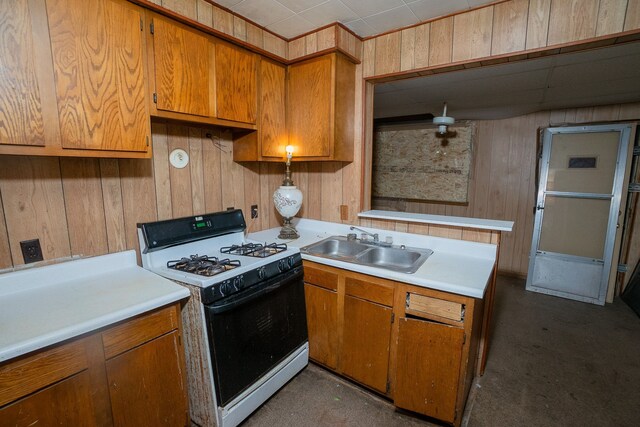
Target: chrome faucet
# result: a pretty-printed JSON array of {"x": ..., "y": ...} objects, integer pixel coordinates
[{"x": 375, "y": 236}]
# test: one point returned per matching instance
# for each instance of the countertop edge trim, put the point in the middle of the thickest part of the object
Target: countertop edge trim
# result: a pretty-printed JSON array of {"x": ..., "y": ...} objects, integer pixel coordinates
[{"x": 479, "y": 223}]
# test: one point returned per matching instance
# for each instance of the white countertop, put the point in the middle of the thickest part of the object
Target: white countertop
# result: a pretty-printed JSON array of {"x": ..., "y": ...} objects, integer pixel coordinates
[
  {"x": 456, "y": 221},
  {"x": 456, "y": 266},
  {"x": 46, "y": 305}
]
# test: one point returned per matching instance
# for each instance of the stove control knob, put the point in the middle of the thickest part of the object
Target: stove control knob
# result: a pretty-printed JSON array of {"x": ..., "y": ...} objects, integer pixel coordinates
[
  {"x": 290, "y": 261},
  {"x": 282, "y": 264},
  {"x": 238, "y": 282},
  {"x": 262, "y": 272},
  {"x": 226, "y": 288}
]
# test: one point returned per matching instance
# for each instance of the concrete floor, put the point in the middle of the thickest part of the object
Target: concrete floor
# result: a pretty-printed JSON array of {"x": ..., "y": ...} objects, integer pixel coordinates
[{"x": 552, "y": 362}]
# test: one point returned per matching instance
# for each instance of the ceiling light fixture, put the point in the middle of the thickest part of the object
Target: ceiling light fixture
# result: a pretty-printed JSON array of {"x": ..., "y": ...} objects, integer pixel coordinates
[{"x": 443, "y": 121}]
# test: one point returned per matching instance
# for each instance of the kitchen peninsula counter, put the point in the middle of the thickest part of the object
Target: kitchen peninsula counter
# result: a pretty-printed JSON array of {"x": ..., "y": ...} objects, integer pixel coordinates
[{"x": 456, "y": 266}]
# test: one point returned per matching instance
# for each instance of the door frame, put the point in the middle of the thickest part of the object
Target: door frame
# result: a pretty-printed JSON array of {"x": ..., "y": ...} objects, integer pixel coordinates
[{"x": 614, "y": 208}]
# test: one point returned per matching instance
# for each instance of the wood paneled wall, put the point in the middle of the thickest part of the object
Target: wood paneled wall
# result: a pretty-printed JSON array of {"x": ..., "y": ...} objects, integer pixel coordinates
[
  {"x": 83, "y": 206},
  {"x": 209, "y": 14},
  {"x": 502, "y": 183},
  {"x": 495, "y": 31}
]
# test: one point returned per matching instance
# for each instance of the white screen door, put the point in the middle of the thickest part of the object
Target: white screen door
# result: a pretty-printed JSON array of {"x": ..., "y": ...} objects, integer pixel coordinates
[{"x": 577, "y": 209}]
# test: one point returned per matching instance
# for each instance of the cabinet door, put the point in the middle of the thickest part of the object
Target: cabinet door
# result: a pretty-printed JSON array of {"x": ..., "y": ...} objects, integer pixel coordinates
[
  {"x": 310, "y": 107},
  {"x": 273, "y": 126},
  {"x": 182, "y": 67},
  {"x": 322, "y": 324},
  {"x": 66, "y": 403},
  {"x": 98, "y": 62},
  {"x": 146, "y": 384},
  {"x": 236, "y": 84},
  {"x": 366, "y": 339},
  {"x": 28, "y": 112},
  {"x": 428, "y": 368}
]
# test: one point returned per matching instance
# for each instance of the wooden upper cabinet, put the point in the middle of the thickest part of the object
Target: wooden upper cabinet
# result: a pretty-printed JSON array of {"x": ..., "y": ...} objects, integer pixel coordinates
[
  {"x": 269, "y": 141},
  {"x": 98, "y": 60},
  {"x": 27, "y": 100},
  {"x": 183, "y": 64},
  {"x": 320, "y": 108},
  {"x": 236, "y": 83}
]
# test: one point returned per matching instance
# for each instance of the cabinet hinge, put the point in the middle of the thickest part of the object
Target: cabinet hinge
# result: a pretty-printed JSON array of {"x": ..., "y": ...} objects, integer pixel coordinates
[
  {"x": 393, "y": 317},
  {"x": 388, "y": 386},
  {"x": 464, "y": 338},
  {"x": 151, "y": 27},
  {"x": 155, "y": 98},
  {"x": 147, "y": 140},
  {"x": 141, "y": 25}
]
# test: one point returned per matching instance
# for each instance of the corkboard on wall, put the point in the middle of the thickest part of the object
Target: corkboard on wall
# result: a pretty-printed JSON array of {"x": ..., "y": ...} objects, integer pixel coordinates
[{"x": 413, "y": 162}]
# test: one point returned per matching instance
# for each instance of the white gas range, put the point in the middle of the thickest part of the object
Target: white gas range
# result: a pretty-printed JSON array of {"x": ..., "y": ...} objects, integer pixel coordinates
[{"x": 243, "y": 294}]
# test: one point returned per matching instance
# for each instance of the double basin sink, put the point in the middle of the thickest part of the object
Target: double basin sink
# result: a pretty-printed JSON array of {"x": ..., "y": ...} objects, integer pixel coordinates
[{"x": 395, "y": 258}]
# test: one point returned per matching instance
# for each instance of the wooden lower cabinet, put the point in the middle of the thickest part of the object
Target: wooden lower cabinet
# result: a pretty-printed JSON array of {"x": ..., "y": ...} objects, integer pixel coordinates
[
  {"x": 428, "y": 367},
  {"x": 130, "y": 374},
  {"x": 322, "y": 324},
  {"x": 366, "y": 342},
  {"x": 416, "y": 346}
]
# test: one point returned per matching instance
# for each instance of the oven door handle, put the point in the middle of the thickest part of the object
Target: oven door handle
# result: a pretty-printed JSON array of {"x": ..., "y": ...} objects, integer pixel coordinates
[{"x": 295, "y": 275}]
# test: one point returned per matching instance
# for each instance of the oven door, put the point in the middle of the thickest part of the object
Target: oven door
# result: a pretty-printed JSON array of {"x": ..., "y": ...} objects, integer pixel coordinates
[{"x": 251, "y": 332}]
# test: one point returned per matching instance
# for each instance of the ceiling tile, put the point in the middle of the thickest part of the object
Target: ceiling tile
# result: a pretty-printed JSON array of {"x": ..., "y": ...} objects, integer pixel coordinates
[
  {"x": 326, "y": 13},
  {"x": 299, "y": 5},
  {"x": 428, "y": 9},
  {"x": 264, "y": 12},
  {"x": 291, "y": 26},
  {"x": 371, "y": 7},
  {"x": 361, "y": 28},
  {"x": 392, "y": 19},
  {"x": 228, "y": 3}
]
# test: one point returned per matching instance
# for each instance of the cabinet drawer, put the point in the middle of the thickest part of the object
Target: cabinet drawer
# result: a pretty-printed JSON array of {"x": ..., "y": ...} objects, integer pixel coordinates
[
  {"x": 434, "y": 308},
  {"x": 137, "y": 331},
  {"x": 369, "y": 291},
  {"x": 324, "y": 279},
  {"x": 24, "y": 376}
]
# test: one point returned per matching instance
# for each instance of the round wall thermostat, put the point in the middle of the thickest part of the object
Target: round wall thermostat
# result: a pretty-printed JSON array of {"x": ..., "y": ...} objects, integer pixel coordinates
[{"x": 179, "y": 158}]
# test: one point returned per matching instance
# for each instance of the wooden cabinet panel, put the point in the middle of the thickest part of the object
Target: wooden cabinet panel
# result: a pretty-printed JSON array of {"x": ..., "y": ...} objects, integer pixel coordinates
[
  {"x": 22, "y": 109},
  {"x": 183, "y": 64},
  {"x": 137, "y": 331},
  {"x": 320, "y": 277},
  {"x": 322, "y": 324},
  {"x": 369, "y": 290},
  {"x": 98, "y": 60},
  {"x": 21, "y": 377},
  {"x": 428, "y": 368},
  {"x": 271, "y": 137},
  {"x": 366, "y": 342},
  {"x": 146, "y": 385},
  {"x": 309, "y": 107},
  {"x": 236, "y": 84},
  {"x": 320, "y": 108},
  {"x": 66, "y": 403}
]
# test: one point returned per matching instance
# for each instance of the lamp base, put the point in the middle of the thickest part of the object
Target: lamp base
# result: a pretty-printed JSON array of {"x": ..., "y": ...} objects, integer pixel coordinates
[{"x": 288, "y": 231}]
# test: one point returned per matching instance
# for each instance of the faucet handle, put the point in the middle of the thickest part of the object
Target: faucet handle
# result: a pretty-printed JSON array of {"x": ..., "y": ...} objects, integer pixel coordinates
[{"x": 351, "y": 236}]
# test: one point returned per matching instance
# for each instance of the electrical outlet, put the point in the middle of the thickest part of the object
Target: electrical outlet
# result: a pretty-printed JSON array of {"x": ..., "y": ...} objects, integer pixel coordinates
[
  {"x": 31, "y": 251},
  {"x": 254, "y": 211},
  {"x": 230, "y": 208}
]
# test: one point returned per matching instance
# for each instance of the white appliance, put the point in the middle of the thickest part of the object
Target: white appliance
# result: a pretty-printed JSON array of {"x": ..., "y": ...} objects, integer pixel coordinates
[{"x": 238, "y": 350}]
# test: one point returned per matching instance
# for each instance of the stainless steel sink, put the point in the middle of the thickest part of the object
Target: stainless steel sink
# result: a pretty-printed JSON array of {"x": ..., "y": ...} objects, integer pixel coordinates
[
  {"x": 334, "y": 247},
  {"x": 396, "y": 258}
]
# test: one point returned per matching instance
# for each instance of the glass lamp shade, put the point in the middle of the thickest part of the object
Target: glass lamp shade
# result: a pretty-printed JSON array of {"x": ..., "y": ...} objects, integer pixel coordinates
[{"x": 288, "y": 200}]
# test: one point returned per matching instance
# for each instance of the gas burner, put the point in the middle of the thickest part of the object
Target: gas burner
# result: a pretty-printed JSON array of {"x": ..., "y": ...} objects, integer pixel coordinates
[
  {"x": 257, "y": 250},
  {"x": 203, "y": 265}
]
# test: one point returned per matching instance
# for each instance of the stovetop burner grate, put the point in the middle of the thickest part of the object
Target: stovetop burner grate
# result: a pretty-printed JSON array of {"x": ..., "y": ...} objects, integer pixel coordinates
[
  {"x": 203, "y": 265},
  {"x": 257, "y": 250}
]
